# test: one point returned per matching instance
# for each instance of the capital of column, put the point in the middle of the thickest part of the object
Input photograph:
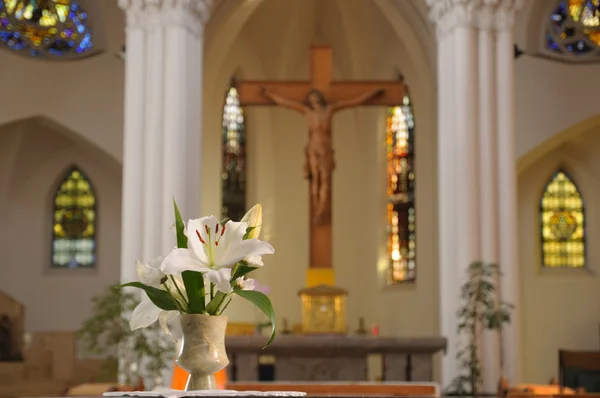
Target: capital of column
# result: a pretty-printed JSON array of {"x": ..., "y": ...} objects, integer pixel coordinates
[
  {"x": 486, "y": 15},
  {"x": 190, "y": 14},
  {"x": 450, "y": 14},
  {"x": 505, "y": 13}
]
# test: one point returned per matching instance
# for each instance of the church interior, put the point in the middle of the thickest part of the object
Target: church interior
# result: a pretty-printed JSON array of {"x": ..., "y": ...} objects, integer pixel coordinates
[{"x": 404, "y": 225}]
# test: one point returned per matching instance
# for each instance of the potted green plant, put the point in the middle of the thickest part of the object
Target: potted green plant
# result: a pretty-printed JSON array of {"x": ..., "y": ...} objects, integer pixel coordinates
[
  {"x": 481, "y": 310},
  {"x": 147, "y": 351}
]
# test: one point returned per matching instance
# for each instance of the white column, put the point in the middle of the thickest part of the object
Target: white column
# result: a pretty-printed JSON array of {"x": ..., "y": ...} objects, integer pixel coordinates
[
  {"x": 507, "y": 182},
  {"x": 134, "y": 125},
  {"x": 488, "y": 177},
  {"x": 163, "y": 92},
  {"x": 184, "y": 25},
  {"x": 466, "y": 105},
  {"x": 457, "y": 168},
  {"x": 153, "y": 137},
  {"x": 449, "y": 281}
]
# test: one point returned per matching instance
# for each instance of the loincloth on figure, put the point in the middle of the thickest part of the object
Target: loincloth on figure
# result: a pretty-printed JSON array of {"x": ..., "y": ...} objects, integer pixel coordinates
[{"x": 319, "y": 161}]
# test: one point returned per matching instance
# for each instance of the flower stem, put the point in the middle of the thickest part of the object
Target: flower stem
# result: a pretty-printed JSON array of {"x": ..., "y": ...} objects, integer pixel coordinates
[
  {"x": 212, "y": 291},
  {"x": 179, "y": 290},
  {"x": 224, "y": 308},
  {"x": 218, "y": 311},
  {"x": 181, "y": 309}
]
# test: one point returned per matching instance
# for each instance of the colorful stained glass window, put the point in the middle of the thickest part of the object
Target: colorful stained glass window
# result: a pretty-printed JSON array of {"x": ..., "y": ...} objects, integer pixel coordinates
[
  {"x": 75, "y": 217},
  {"x": 574, "y": 29},
  {"x": 563, "y": 224},
  {"x": 45, "y": 28},
  {"x": 401, "y": 193},
  {"x": 234, "y": 157}
]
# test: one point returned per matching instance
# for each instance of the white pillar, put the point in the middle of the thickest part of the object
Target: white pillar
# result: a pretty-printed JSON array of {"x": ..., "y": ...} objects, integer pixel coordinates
[
  {"x": 184, "y": 25},
  {"x": 458, "y": 196},
  {"x": 507, "y": 182},
  {"x": 163, "y": 92},
  {"x": 133, "y": 166},
  {"x": 153, "y": 133},
  {"x": 467, "y": 104},
  {"x": 488, "y": 177},
  {"x": 162, "y": 123},
  {"x": 449, "y": 281}
]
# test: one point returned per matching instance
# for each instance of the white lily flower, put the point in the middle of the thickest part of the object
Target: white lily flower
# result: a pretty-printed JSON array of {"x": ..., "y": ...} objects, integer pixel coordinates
[
  {"x": 146, "y": 313},
  {"x": 255, "y": 261},
  {"x": 254, "y": 219},
  {"x": 212, "y": 247},
  {"x": 245, "y": 284}
]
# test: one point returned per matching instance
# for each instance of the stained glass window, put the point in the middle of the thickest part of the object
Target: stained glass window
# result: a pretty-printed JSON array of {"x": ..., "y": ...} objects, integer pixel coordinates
[
  {"x": 234, "y": 157},
  {"x": 401, "y": 193},
  {"x": 74, "y": 231},
  {"x": 45, "y": 28},
  {"x": 574, "y": 29},
  {"x": 562, "y": 219}
]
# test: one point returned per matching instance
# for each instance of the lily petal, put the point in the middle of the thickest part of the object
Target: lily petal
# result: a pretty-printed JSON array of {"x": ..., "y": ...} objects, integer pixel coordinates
[
  {"x": 196, "y": 234},
  {"x": 150, "y": 274},
  {"x": 170, "y": 324},
  {"x": 255, "y": 261},
  {"x": 180, "y": 260},
  {"x": 246, "y": 284},
  {"x": 144, "y": 315},
  {"x": 221, "y": 278},
  {"x": 239, "y": 250},
  {"x": 254, "y": 219}
]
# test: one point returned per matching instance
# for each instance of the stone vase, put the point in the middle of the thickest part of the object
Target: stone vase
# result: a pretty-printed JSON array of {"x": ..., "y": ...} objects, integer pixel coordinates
[{"x": 202, "y": 352}]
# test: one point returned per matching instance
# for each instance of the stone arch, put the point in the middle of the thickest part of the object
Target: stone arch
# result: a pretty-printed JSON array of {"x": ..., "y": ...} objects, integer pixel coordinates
[{"x": 34, "y": 154}]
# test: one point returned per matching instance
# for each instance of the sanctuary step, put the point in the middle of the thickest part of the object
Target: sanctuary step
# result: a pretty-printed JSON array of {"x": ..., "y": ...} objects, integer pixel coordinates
[{"x": 333, "y": 358}]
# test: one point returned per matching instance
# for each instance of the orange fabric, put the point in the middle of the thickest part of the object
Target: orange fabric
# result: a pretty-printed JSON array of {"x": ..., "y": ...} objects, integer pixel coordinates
[{"x": 180, "y": 378}]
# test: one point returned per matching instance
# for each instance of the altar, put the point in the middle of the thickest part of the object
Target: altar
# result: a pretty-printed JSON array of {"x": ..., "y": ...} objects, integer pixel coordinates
[{"x": 333, "y": 358}]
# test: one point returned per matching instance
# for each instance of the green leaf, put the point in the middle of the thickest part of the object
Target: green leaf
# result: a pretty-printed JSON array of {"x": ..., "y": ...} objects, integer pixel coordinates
[
  {"x": 264, "y": 304},
  {"x": 161, "y": 298},
  {"x": 248, "y": 231},
  {"x": 194, "y": 287},
  {"x": 180, "y": 228},
  {"x": 240, "y": 270},
  {"x": 225, "y": 221},
  {"x": 215, "y": 303}
]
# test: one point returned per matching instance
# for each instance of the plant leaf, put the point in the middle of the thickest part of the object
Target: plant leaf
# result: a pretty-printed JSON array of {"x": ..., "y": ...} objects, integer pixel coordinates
[
  {"x": 161, "y": 298},
  {"x": 264, "y": 304},
  {"x": 240, "y": 270},
  {"x": 179, "y": 228},
  {"x": 194, "y": 287},
  {"x": 225, "y": 221},
  {"x": 215, "y": 303}
]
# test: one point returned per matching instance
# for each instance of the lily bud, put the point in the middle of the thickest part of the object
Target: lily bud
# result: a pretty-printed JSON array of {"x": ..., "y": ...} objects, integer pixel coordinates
[{"x": 254, "y": 220}]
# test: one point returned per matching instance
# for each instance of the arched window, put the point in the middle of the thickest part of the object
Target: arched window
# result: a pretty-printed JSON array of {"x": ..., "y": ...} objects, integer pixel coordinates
[
  {"x": 573, "y": 29},
  {"x": 74, "y": 222},
  {"x": 401, "y": 193},
  {"x": 45, "y": 28},
  {"x": 234, "y": 157},
  {"x": 562, "y": 219}
]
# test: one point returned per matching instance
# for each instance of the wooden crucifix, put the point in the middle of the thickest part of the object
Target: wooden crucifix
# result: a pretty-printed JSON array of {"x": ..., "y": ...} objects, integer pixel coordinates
[{"x": 318, "y": 99}]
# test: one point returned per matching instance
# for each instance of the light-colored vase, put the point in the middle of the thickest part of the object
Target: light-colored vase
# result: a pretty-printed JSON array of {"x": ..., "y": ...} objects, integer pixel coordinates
[{"x": 202, "y": 352}]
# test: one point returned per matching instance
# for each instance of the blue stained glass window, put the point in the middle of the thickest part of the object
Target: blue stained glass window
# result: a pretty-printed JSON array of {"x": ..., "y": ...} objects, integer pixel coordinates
[
  {"x": 234, "y": 157},
  {"x": 574, "y": 29},
  {"x": 45, "y": 28},
  {"x": 74, "y": 223}
]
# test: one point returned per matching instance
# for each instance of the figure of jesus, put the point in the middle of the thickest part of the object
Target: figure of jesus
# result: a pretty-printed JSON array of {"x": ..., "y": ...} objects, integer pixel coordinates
[{"x": 320, "y": 163}]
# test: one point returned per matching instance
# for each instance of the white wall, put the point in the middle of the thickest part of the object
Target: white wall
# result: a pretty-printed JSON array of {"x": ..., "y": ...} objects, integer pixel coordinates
[
  {"x": 34, "y": 157},
  {"x": 84, "y": 96},
  {"x": 560, "y": 308}
]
